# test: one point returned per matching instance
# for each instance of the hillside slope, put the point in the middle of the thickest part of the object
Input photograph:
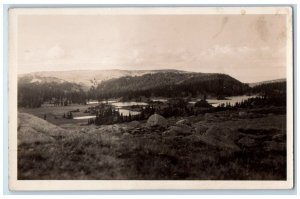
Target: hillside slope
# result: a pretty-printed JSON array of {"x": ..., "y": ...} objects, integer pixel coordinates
[
  {"x": 267, "y": 82},
  {"x": 32, "y": 129},
  {"x": 86, "y": 78},
  {"x": 170, "y": 84}
]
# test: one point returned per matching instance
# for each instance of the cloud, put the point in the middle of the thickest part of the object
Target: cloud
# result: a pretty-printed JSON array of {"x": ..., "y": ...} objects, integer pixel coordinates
[{"x": 55, "y": 52}]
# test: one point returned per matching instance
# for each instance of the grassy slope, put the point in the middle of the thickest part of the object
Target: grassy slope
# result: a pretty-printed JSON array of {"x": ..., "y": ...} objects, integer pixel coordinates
[
  {"x": 54, "y": 114},
  {"x": 134, "y": 151}
]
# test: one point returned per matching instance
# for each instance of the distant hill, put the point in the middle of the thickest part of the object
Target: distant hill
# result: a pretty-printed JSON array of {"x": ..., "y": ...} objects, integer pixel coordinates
[
  {"x": 274, "y": 87},
  {"x": 86, "y": 78},
  {"x": 171, "y": 84},
  {"x": 267, "y": 82},
  {"x": 33, "y": 78},
  {"x": 135, "y": 83}
]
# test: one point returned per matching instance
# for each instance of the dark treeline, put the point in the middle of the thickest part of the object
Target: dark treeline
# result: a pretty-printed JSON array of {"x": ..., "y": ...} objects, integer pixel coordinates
[
  {"x": 171, "y": 85},
  {"x": 270, "y": 89},
  {"x": 107, "y": 114},
  {"x": 33, "y": 95}
]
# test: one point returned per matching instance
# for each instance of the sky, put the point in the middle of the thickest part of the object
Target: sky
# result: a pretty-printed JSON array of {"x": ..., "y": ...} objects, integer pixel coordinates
[{"x": 250, "y": 48}]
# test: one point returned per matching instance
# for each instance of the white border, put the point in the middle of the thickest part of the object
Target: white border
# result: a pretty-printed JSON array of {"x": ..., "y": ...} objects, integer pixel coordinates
[{"x": 27, "y": 185}]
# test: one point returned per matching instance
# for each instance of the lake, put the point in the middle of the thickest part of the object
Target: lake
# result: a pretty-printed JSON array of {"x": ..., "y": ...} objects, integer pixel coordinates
[
  {"x": 126, "y": 112},
  {"x": 85, "y": 117},
  {"x": 92, "y": 102},
  {"x": 124, "y": 104},
  {"x": 231, "y": 100},
  {"x": 116, "y": 104},
  {"x": 121, "y": 105},
  {"x": 159, "y": 100}
]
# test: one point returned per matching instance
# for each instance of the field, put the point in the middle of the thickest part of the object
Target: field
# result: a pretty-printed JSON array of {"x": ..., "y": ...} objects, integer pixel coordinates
[
  {"x": 227, "y": 145},
  {"x": 54, "y": 114}
]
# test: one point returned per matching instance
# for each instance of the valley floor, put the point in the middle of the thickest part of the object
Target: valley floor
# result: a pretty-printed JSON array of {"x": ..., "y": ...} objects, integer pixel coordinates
[{"x": 228, "y": 145}]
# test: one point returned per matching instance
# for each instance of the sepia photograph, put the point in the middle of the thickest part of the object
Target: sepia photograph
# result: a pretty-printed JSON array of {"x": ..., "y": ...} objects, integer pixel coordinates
[{"x": 150, "y": 98}]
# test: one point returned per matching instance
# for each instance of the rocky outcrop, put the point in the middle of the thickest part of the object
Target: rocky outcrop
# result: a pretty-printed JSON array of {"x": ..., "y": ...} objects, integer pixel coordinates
[
  {"x": 200, "y": 128},
  {"x": 209, "y": 117},
  {"x": 32, "y": 129},
  {"x": 274, "y": 146},
  {"x": 178, "y": 130},
  {"x": 156, "y": 120},
  {"x": 247, "y": 142},
  {"x": 221, "y": 137}
]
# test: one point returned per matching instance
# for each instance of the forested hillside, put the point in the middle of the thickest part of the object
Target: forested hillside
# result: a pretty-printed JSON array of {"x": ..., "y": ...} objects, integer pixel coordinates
[
  {"x": 35, "y": 90},
  {"x": 33, "y": 94},
  {"x": 171, "y": 84}
]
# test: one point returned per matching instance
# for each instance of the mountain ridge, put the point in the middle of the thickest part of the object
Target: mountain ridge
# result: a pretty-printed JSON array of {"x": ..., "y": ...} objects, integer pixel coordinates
[
  {"x": 266, "y": 82},
  {"x": 88, "y": 78}
]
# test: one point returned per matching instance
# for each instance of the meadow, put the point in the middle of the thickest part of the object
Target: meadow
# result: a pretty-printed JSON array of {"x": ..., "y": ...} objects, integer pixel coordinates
[{"x": 224, "y": 145}]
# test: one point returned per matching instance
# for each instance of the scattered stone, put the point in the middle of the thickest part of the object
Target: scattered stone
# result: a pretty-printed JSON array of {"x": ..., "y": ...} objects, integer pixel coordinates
[
  {"x": 247, "y": 142},
  {"x": 134, "y": 124},
  {"x": 157, "y": 120},
  {"x": 126, "y": 135},
  {"x": 183, "y": 122},
  {"x": 135, "y": 131},
  {"x": 242, "y": 114},
  {"x": 279, "y": 138},
  {"x": 210, "y": 117},
  {"x": 200, "y": 129},
  {"x": 221, "y": 137},
  {"x": 182, "y": 129},
  {"x": 274, "y": 146}
]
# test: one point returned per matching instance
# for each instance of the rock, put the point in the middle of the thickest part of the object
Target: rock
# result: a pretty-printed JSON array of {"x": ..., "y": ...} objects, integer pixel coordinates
[
  {"x": 247, "y": 142},
  {"x": 184, "y": 122},
  {"x": 182, "y": 129},
  {"x": 126, "y": 135},
  {"x": 83, "y": 130},
  {"x": 32, "y": 129},
  {"x": 178, "y": 130},
  {"x": 134, "y": 124},
  {"x": 220, "y": 137},
  {"x": 157, "y": 120},
  {"x": 136, "y": 131},
  {"x": 242, "y": 114},
  {"x": 210, "y": 117},
  {"x": 274, "y": 146},
  {"x": 168, "y": 133},
  {"x": 200, "y": 129},
  {"x": 279, "y": 138}
]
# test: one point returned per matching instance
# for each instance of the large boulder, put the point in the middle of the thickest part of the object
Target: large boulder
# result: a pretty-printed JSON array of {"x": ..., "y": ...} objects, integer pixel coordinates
[
  {"x": 157, "y": 120},
  {"x": 32, "y": 129},
  {"x": 220, "y": 137}
]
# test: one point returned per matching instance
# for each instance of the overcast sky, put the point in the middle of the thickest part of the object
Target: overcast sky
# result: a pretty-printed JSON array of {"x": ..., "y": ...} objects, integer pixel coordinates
[{"x": 248, "y": 47}]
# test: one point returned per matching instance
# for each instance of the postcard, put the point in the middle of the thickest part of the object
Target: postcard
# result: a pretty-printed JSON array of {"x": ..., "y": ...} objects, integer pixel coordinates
[{"x": 150, "y": 98}]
